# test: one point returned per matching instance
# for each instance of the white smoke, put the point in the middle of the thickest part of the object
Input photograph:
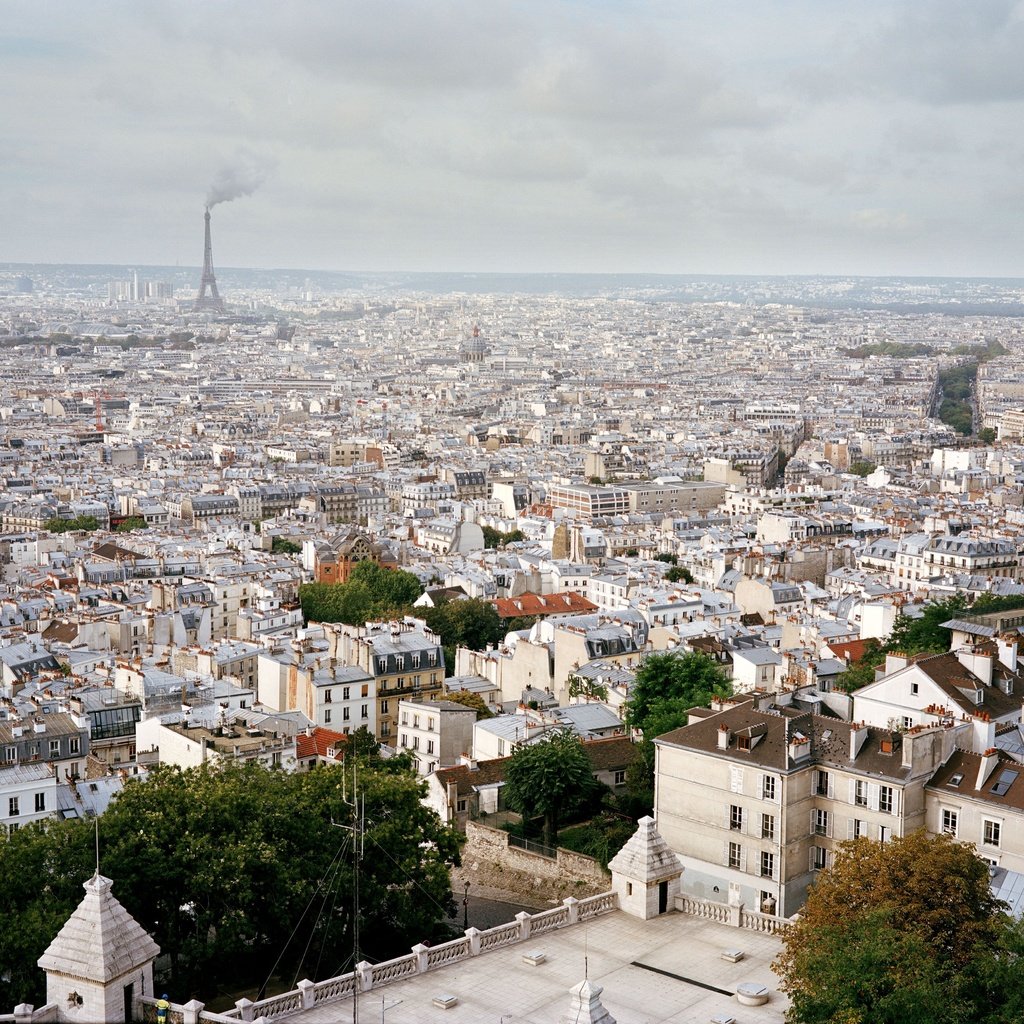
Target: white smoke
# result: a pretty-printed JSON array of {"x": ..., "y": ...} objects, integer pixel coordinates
[{"x": 241, "y": 178}]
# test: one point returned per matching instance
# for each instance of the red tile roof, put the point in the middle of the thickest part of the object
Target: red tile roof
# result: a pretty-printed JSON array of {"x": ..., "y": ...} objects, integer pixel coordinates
[
  {"x": 568, "y": 603},
  {"x": 317, "y": 744}
]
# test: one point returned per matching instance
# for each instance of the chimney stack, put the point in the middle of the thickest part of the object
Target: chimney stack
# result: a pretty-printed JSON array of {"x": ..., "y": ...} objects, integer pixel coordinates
[
  {"x": 724, "y": 735},
  {"x": 989, "y": 760}
]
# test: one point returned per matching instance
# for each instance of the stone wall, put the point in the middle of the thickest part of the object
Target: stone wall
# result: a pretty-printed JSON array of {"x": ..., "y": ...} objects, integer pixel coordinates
[{"x": 488, "y": 860}]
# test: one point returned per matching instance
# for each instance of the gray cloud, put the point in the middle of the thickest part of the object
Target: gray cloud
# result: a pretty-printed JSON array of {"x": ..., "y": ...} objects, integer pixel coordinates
[{"x": 691, "y": 135}]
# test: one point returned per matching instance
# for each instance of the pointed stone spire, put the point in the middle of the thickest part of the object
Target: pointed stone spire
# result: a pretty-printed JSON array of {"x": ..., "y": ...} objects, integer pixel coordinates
[
  {"x": 100, "y": 960},
  {"x": 645, "y": 872},
  {"x": 585, "y": 1006}
]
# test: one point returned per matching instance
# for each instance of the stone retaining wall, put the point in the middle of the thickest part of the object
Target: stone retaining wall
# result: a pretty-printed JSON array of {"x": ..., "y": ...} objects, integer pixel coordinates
[{"x": 487, "y": 859}]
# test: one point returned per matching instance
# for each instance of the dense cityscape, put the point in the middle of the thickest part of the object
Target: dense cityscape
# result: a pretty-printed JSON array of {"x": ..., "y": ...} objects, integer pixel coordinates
[
  {"x": 252, "y": 527},
  {"x": 511, "y": 513}
]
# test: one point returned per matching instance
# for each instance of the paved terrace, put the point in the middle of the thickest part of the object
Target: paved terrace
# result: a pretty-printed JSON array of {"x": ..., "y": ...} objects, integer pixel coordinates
[{"x": 668, "y": 969}]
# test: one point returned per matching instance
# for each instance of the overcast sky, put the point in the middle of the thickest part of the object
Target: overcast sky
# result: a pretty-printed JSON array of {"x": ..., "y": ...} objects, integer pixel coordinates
[{"x": 680, "y": 137}]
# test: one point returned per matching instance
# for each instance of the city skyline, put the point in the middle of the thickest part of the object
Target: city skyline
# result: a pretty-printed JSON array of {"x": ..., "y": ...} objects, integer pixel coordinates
[{"x": 718, "y": 139}]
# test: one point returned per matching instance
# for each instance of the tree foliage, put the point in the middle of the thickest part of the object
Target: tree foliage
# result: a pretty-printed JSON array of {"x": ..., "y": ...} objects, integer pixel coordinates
[
  {"x": 58, "y": 525},
  {"x": 223, "y": 863},
  {"x": 472, "y": 623},
  {"x": 906, "y": 930},
  {"x": 862, "y": 467},
  {"x": 132, "y": 523},
  {"x": 371, "y": 592},
  {"x": 283, "y": 546},
  {"x": 666, "y": 687},
  {"x": 668, "y": 684},
  {"x": 469, "y": 699},
  {"x": 495, "y": 538},
  {"x": 549, "y": 778},
  {"x": 679, "y": 574}
]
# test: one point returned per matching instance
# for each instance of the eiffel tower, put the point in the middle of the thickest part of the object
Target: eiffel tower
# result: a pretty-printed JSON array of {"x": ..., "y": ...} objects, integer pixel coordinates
[{"x": 209, "y": 281}]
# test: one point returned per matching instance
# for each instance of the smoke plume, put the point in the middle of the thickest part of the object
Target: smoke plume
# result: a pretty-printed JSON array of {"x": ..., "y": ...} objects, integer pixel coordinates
[{"x": 234, "y": 181}]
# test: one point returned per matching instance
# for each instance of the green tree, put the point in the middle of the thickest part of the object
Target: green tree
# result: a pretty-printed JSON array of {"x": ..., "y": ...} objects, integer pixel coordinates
[
  {"x": 631, "y": 552},
  {"x": 472, "y": 623},
  {"x": 549, "y": 778},
  {"x": 669, "y": 559},
  {"x": 861, "y": 467},
  {"x": 495, "y": 538},
  {"x": 370, "y": 593},
  {"x": 666, "y": 687},
  {"x": 469, "y": 699},
  {"x": 58, "y": 525},
  {"x": 987, "y": 435},
  {"x": 911, "y": 917},
  {"x": 678, "y": 574},
  {"x": 588, "y": 688},
  {"x": 283, "y": 546},
  {"x": 669, "y": 684},
  {"x": 220, "y": 862},
  {"x": 924, "y": 633},
  {"x": 132, "y": 523}
]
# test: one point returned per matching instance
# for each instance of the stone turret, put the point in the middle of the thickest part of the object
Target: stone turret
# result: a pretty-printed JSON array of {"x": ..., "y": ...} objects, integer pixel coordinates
[
  {"x": 646, "y": 873},
  {"x": 101, "y": 961}
]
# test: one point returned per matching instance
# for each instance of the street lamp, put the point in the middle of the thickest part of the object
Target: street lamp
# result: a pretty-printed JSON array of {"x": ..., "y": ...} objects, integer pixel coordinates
[{"x": 465, "y": 906}]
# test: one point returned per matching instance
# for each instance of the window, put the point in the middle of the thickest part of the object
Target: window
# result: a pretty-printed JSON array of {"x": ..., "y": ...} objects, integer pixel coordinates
[
  {"x": 821, "y": 823},
  {"x": 346, "y": 714},
  {"x": 736, "y": 779},
  {"x": 54, "y": 748},
  {"x": 860, "y": 793},
  {"x": 327, "y": 715},
  {"x": 405, "y": 716},
  {"x": 885, "y": 799},
  {"x": 13, "y": 808},
  {"x": 736, "y": 818},
  {"x": 908, "y": 722},
  {"x": 990, "y": 833},
  {"x": 821, "y": 783},
  {"x": 344, "y": 692},
  {"x": 364, "y": 711},
  {"x": 767, "y": 826},
  {"x": 430, "y": 746},
  {"x": 735, "y": 855},
  {"x": 403, "y": 740},
  {"x": 460, "y": 805},
  {"x": 950, "y": 820},
  {"x": 383, "y": 707},
  {"x": 400, "y": 682},
  {"x": 620, "y": 777},
  {"x": 819, "y": 858},
  {"x": 857, "y": 828},
  {"x": 914, "y": 688},
  {"x": 415, "y": 743},
  {"x": 767, "y": 864},
  {"x": 327, "y": 696},
  {"x": 430, "y": 724},
  {"x": 768, "y": 787},
  {"x": 415, "y": 721},
  {"x": 884, "y": 832},
  {"x": 382, "y": 664},
  {"x": 41, "y": 804},
  {"x": 11, "y": 754}
]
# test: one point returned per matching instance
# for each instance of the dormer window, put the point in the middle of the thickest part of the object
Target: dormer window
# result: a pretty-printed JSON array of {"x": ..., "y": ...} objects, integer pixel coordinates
[
  {"x": 955, "y": 780},
  {"x": 743, "y": 743}
]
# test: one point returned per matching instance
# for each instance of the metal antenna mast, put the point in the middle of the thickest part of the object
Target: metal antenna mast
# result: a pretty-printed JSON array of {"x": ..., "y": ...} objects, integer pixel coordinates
[{"x": 209, "y": 281}]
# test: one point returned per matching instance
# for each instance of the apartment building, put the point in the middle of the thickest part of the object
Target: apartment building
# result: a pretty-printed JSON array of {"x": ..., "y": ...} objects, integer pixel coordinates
[
  {"x": 754, "y": 801},
  {"x": 436, "y": 732},
  {"x": 404, "y": 658},
  {"x": 589, "y": 501}
]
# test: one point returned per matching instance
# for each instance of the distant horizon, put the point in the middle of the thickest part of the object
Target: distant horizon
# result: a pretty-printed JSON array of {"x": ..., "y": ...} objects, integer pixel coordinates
[{"x": 689, "y": 275}]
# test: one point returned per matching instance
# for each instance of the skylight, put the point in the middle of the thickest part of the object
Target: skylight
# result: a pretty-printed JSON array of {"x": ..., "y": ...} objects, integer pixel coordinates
[
  {"x": 1005, "y": 780},
  {"x": 955, "y": 780}
]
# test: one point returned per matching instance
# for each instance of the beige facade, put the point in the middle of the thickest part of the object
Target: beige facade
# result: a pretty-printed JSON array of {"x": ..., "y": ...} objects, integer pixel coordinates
[{"x": 755, "y": 802}]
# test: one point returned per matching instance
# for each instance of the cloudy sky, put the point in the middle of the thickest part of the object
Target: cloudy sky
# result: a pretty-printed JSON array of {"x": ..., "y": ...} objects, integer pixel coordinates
[{"x": 768, "y": 136}]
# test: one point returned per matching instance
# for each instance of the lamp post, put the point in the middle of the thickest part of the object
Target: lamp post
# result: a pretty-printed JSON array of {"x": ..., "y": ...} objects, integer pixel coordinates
[{"x": 465, "y": 906}]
